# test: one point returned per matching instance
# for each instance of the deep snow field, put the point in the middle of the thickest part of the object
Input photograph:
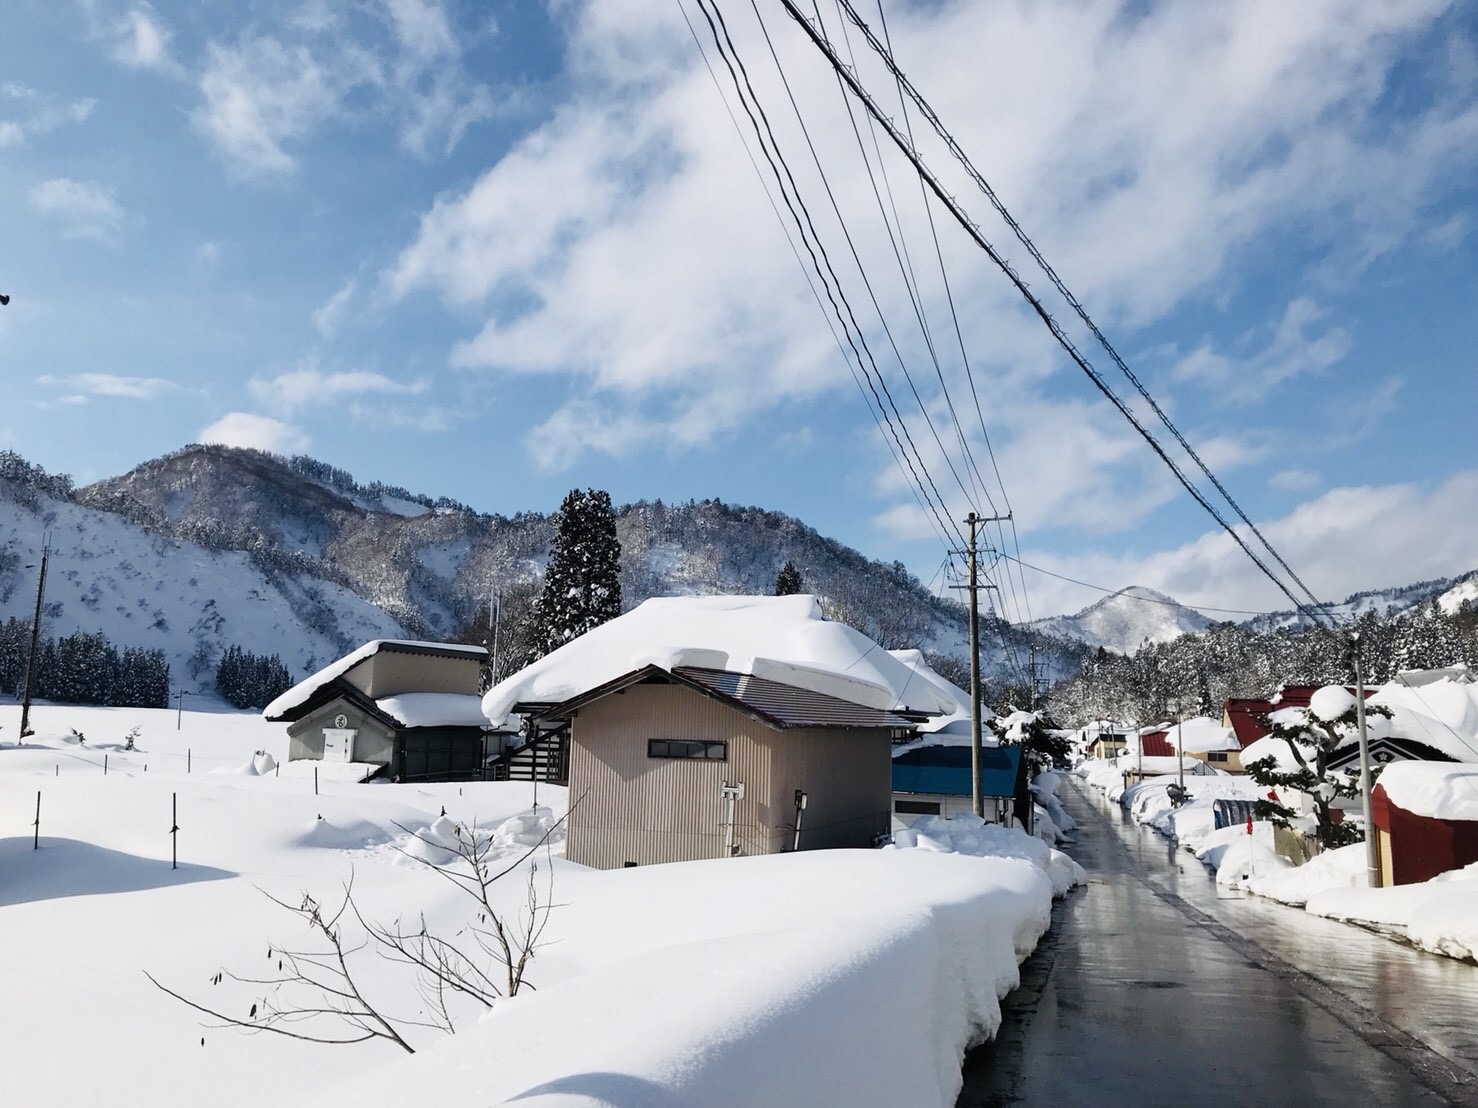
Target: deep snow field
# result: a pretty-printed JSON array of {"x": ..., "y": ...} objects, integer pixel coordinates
[{"x": 836, "y": 977}]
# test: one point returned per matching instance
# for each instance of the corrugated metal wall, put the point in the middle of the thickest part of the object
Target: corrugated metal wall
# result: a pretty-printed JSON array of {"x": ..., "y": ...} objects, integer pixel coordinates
[
  {"x": 631, "y": 808},
  {"x": 388, "y": 673},
  {"x": 848, "y": 780}
]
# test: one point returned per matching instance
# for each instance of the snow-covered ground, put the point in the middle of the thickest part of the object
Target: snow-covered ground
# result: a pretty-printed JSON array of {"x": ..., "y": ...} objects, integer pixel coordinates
[{"x": 839, "y": 977}]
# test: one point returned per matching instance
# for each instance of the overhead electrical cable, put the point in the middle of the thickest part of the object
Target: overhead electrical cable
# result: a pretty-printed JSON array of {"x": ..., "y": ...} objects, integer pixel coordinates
[
  {"x": 885, "y": 54},
  {"x": 806, "y": 272},
  {"x": 1024, "y": 600},
  {"x": 1316, "y": 614},
  {"x": 822, "y": 263},
  {"x": 901, "y": 254},
  {"x": 857, "y": 260}
]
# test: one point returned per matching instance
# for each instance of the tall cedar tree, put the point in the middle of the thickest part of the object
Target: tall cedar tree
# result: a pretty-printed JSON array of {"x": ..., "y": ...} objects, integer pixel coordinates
[
  {"x": 789, "y": 582},
  {"x": 1312, "y": 741},
  {"x": 582, "y": 584}
]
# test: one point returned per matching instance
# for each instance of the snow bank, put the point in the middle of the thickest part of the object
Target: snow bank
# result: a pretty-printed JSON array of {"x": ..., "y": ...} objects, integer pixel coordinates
[
  {"x": 1341, "y": 868},
  {"x": 825, "y": 977},
  {"x": 782, "y": 637},
  {"x": 1437, "y": 790},
  {"x": 968, "y": 834},
  {"x": 1239, "y": 858},
  {"x": 1440, "y": 915}
]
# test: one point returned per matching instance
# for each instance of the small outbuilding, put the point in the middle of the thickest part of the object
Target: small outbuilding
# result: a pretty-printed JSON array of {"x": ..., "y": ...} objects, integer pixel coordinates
[
  {"x": 689, "y": 763},
  {"x": 1426, "y": 820},
  {"x": 410, "y": 711},
  {"x": 935, "y": 780}
]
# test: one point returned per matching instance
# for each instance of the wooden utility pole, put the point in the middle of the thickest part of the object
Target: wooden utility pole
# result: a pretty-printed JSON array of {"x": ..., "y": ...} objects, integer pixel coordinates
[
  {"x": 976, "y": 792},
  {"x": 35, "y": 640},
  {"x": 1372, "y": 854}
]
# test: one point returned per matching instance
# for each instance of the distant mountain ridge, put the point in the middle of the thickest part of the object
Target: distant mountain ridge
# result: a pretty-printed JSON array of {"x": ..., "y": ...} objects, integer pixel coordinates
[
  {"x": 210, "y": 546},
  {"x": 1124, "y": 620},
  {"x": 336, "y": 562}
]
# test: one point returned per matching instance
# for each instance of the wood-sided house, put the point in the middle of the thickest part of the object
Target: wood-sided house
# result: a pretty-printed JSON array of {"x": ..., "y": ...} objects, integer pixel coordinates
[
  {"x": 410, "y": 711},
  {"x": 690, "y": 763}
]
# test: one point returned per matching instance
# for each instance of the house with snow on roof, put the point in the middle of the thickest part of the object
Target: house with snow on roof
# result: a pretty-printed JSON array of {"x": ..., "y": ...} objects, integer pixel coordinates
[
  {"x": 705, "y": 727},
  {"x": 409, "y": 711}
]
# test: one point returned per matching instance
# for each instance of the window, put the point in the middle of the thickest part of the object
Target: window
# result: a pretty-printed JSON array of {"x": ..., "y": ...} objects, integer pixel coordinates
[
  {"x": 687, "y": 748},
  {"x": 1218, "y": 756},
  {"x": 916, "y": 807}
]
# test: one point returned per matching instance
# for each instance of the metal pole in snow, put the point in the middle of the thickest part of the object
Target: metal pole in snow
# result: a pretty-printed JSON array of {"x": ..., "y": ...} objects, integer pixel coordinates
[
  {"x": 36, "y": 842},
  {"x": 189, "y": 755},
  {"x": 1372, "y": 856},
  {"x": 105, "y": 765},
  {"x": 315, "y": 780},
  {"x": 174, "y": 830}
]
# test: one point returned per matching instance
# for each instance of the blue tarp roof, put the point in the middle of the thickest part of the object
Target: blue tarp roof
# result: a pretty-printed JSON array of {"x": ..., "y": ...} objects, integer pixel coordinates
[{"x": 946, "y": 770}]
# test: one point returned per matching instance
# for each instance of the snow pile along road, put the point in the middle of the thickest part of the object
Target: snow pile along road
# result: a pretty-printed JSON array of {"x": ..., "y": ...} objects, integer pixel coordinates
[{"x": 826, "y": 977}]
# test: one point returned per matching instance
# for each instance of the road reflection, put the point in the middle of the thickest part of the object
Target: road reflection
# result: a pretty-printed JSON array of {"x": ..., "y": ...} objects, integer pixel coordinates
[{"x": 1154, "y": 988}]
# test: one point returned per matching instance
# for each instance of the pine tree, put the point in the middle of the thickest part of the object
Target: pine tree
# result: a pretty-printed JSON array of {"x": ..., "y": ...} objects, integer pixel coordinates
[
  {"x": 582, "y": 583},
  {"x": 1311, "y": 735},
  {"x": 789, "y": 582}
]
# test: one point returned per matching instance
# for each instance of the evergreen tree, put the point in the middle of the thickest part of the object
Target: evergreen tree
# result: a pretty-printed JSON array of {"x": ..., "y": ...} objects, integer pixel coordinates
[
  {"x": 789, "y": 582},
  {"x": 582, "y": 583},
  {"x": 1311, "y": 735}
]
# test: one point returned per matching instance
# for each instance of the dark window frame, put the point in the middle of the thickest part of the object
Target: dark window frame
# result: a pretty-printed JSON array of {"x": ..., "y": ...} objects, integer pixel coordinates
[
  {"x": 918, "y": 807},
  {"x": 695, "y": 750}
]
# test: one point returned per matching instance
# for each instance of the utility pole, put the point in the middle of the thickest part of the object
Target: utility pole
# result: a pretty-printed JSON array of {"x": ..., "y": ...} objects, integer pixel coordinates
[
  {"x": 35, "y": 639},
  {"x": 494, "y": 614},
  {"x": 1372, "y": 855},
  {"x": 976, "y": 797},
  {"x": 1031, "y": 673}
]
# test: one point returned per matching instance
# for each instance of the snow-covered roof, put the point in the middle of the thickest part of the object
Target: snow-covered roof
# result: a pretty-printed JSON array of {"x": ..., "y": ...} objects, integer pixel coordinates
[
  {"x": 1437, "y": 790},
  {"x": 781, "y": 638},
  {"x": 1200, "y": 735},
  {"x": 300, "y": 693},
  {"x": 1443, "y": 715},
  {"x": 434, "y": 709}
]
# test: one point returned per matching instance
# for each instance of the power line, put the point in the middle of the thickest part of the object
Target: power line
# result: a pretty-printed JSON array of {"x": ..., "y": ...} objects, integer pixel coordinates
[
  {"x": 855, "y": 337},
  {"x": 810, "y": 281},
  {"x": 1131, "y": 596},
  {"x": 1316, "y": 615},
  {"x": 1066, "y": 293}
]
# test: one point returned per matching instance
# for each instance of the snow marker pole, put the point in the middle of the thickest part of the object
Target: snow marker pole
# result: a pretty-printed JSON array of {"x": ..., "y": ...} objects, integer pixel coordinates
[
  {"x": 105, "y": 765},
  {"x": 36, "y": 842},
  {"x": 189, "y": 758},
  {"x": 315, "y": 780},
  {"x": 174, "y": 830}
]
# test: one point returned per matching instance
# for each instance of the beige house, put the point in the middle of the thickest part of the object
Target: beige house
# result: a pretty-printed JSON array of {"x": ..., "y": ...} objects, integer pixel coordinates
[
  {"x": 406, "y": 710},
  {"x": 668, "y": 766}
]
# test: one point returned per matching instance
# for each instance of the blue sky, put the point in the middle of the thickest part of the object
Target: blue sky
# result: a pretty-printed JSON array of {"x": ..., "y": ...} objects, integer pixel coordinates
[{"x": 496, "y": 250}]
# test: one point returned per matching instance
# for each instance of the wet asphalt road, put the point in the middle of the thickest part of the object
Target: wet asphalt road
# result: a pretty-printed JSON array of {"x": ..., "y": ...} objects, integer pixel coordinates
[{"x": 1156, "y": 988}]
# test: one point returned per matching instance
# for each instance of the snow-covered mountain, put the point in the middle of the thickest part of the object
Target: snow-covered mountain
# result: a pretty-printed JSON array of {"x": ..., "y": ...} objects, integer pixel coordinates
[
  {"x": 107, "y": 574},
  {"x": 1122, "y": 621},
  {"x": 211, "y": 546}
]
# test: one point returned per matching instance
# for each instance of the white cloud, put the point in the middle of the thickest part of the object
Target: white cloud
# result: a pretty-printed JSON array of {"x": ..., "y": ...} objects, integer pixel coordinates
[
  {"x": 307, "y": 386},
  {"x": 331, "y": 312},
  {"x": 1294, "y": 479},
  {"x": 86, "y": 208},
  {"x": 261, "y": 95},
  {"x": 141, "y": 41},
  {"x": 625, "y": 246},
  {"x": 208, "y": 254},
  {"x": 266, "y": 95},
  {"x": 37, "y": 113},
  {"x": 1291, "y": 351},
  {"x": 111, "y": 385},
  {"x": 1345, "y": 540},
  {"x": 257, "y": 432}
]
